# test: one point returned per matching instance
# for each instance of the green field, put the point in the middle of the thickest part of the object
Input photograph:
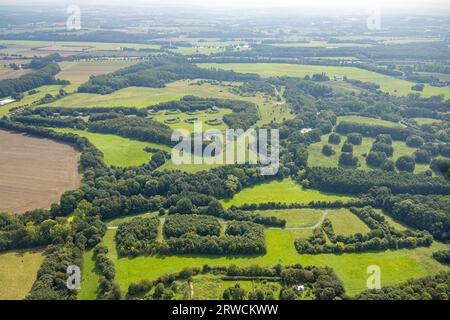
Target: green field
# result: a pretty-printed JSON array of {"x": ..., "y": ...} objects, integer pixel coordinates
[
  {"x": 396, "y": 266},
  {"x": 141, "y": 97},
  {"x": 211, "y": 287},
  {"x": 18, "y": 271},
  {"x": 285, "y": 191},
  {"x": 369, "y": 121},
  {"x": 28, "y": 100},
  {"x": 388, "y": 84},
  {"x": 317, "y": 159},
  {"x": 295, "y": 218},
  {"x": 346, "y": 223},
  {"x": 423, "y": 121},
  {"x": 118, "y": 151},
  {"x": 89, "y": 278}
]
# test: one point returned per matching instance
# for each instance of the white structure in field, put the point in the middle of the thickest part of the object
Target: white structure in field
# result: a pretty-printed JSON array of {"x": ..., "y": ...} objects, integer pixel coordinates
[{"x": 6, "y": 101}]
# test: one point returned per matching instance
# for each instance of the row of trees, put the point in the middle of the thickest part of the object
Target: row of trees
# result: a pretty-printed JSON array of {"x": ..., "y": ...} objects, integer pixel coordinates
[
  {"x": 156, "y": 73},
  {"x": 359, "y": 181},
  {"x": 41, "y": 77}
]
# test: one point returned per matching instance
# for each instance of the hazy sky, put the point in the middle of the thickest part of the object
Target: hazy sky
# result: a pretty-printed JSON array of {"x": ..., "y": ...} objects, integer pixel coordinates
[{"x": 406, "y": 5}]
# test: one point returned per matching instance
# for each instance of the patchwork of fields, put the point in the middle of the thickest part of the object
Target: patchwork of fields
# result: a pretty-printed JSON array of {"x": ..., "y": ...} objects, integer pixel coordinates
[{"x": 396, "y": 266}]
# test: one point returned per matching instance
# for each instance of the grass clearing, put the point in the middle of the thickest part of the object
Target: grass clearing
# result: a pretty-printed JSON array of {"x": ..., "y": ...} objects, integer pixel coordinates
[
  {"x": 18, "y": 271},
  {"x": 141, "y": 97},
  {"x": 285, "y": 191},
  {"x": 118, "y": 151},
  {"x": 29, "y": 100},
  {"x": 369, "y": 121},
  {"x": 346, "y": 223},
  {"x": 89, "y": 278},
  {"x": 388, "y": 84},
  {"x": 295, "y": 218}
]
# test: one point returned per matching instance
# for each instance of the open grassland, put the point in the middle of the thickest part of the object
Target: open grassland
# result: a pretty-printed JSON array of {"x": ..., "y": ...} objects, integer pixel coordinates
[
  {"x": 118, "y": 151},
  {"x": 141, "y": 97},
  {"x": 317, "y": 159},
  {"x": 285, "y": 191},
  {"x": 269, "y": 109},
  {"x": 34, "y": 172},
  {"x": 396, "y": 266},
  {"x": 29, "y": 100},
  {"x": 295, "y": 218},
  {"x": 18, "y": 271},
  {"x": 346, "y": 223},
  {"x": 89, "y": 278},
  {"x": 388, "y": 84},
  {"x": 369, "y": 121},
  {"x": 397, "y": 225},
  {"x": 78, "y": 72},
  {"x": 423, "y": 121}
]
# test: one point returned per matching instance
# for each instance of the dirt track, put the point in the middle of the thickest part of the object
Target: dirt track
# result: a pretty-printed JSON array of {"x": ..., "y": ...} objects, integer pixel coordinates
[{"x": 34, "y": 172}]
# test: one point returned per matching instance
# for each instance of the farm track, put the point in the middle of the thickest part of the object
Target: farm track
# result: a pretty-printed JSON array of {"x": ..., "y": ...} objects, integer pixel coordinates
[{"x": 322, "y": 219}]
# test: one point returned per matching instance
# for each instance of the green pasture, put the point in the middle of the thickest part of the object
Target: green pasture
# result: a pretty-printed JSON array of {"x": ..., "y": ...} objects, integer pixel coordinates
[
  {"x": 388, "y": 84},
  {"x": 118, "y": 151},
  {"x": 285, "y": 191}
]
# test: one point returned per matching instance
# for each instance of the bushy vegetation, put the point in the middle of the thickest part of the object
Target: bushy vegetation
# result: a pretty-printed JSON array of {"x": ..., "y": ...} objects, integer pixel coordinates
[{"x": 429, "y": 288}]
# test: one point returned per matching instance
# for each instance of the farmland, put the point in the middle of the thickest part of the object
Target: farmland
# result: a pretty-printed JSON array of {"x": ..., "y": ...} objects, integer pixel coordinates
[
  {"x": 388, "y": 84},
  {"x": 34, "y": 172},
  {"x": 78, "y": 72}
]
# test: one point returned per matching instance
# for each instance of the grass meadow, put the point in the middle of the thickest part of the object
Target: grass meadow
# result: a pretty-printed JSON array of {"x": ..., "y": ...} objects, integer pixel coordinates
[
  {"x": 388, "y": 84},
  {"x": 346, "y": 223},
  {"x": 295, "y": 218},
  {"x": 18, "y": 271},
  {"x": 118, "y": 151},
  {"x": 285, "y": 191}
]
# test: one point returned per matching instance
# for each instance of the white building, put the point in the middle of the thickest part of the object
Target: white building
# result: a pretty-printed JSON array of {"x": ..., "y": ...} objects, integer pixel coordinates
[{"x": 6, "y": 101}]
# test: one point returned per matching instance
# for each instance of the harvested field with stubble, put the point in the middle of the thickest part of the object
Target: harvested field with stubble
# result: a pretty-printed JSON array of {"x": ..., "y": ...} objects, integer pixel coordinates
[{"x": 34, "y": 172}]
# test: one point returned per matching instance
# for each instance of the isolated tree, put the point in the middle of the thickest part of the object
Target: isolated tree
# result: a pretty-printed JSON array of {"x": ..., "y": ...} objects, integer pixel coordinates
[{"x": 405, "y": 163}]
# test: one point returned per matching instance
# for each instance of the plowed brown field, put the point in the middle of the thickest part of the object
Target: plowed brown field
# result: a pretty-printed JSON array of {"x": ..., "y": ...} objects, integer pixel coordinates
[{"x": 34, "y": 172}]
